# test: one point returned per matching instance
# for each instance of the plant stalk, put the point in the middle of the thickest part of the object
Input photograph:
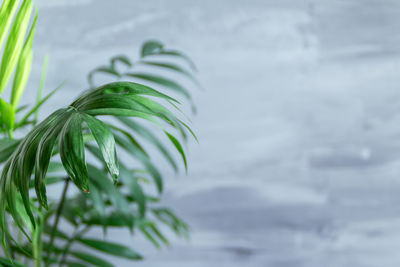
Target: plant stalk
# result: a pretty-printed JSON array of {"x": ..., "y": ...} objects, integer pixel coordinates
[
  {"x": 57, "y": 220},
  {"x": 10, "y": 133},
  {"x": 68, "y": 245},
  {"x": 37, "y": 241}
]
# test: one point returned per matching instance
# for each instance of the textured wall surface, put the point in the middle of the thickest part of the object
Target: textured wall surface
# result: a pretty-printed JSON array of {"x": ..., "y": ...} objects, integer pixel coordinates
[{"x": 299, "y": 126}]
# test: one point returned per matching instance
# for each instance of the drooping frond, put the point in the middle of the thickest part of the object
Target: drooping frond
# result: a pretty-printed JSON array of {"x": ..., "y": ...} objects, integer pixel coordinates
[{"x": 63, "y": 131}]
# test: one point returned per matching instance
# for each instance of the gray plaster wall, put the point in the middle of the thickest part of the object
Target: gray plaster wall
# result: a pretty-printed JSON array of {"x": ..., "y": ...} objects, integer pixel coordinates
[{"x": 299, "y": 124}]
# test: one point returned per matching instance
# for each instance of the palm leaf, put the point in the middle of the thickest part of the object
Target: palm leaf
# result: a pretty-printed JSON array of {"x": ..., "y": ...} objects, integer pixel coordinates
[
  {"x": 7, "y": 11},
  {"x": 91, "y": 259},
  {"x": 65, "y": 125},
  {"x": 105, "y": 140},
  {"x": 171, "y": 67},
  {"x": 23, "y": 67},
  {"x": 156, "y": 79},
  {"x": 111, "y": 248},
  {"x": 156, "y": 48},
  {"x": 14, "y": 43}
]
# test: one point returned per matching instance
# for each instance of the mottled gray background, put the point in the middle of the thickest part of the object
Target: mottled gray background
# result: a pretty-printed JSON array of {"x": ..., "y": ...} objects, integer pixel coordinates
[{"x": 299, "y": 125}]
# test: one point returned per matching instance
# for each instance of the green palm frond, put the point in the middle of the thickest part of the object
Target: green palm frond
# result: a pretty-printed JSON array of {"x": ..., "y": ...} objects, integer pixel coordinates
[
  {"x": 156, "y": 48},
  {"x": 15, "y": 42},
  {"x": 123, "y": 193},
  {"x": 66, "y": 125},
  {"x": 17, "y": 56},
  {"x": 64, "y": 131},
  {"x": 23, "y": 67},
  {"x": 149, "y": 51}
]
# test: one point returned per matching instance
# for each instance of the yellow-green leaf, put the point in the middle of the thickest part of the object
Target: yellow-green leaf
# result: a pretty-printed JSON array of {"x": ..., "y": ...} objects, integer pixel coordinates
[
  {"x": 24, "y": 67},
  {"x": 7, "y": 114},
  {"x": 14, "y": 43}
]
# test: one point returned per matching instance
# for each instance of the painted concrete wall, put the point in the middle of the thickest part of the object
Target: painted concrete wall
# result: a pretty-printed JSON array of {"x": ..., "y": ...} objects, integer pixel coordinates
[{"x": 299, "y": 125}]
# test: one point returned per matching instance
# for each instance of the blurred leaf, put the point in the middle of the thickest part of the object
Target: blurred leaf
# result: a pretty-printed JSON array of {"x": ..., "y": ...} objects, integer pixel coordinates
[
  {"x": 151, "y": 47},
  {"x": 178, "y": 146},
  {"x": 111, "y": 248},
  {"x": 103, "y": 69},
  {"x": 145, "y": 133},
  {"x": 97, "y": 200},
  {"x": 7, "y": 114},
  {"x": 55, "y": 167},
  {"x": 130, "y": 138},
  {"x": 136, "y": 190},
  {"x": 152, "y": 233},
  {"x": 179, "y": 54},
  {"x": 111, "y": 220},
  {"x": 168, "y": 83},
  {"x": 7, "y": 12},
  {"x": 48, "y": 181},
  {"x": 172, "y": 67},
  {"x": 156, "y": 48},
  {"x": 75, "y": 264},
  {"x": 102, "y": 182},
  {"x": 7, "y": 147},
  {"x": 8, "y": 263},
  {"x": 21, "y": 108},
  {"x": 92, "y": 259},
  {"x": 136, "y": 153},
  {"x": 38, "y": 105},
  {"x": 170, "y": 219},
  {"x": 48, "y": 230},
  {"x": 120, "y": 58}
]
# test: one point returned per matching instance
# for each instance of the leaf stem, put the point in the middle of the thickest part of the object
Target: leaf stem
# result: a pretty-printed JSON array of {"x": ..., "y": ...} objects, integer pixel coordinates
[
  {"x": 68, "y": 245},
  {"x": 10, "y": 133},
  {"x": 37, "y": 241},
  {"x": 58, "y": 215}
]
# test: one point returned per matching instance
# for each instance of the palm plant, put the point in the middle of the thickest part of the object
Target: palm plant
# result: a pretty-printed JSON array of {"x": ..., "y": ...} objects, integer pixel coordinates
[{"x": 118, "y": 117}]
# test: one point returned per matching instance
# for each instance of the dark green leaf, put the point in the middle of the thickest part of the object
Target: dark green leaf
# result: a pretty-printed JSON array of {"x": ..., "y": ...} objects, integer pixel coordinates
[
  {"x": 121, "y": 58},
  {"x": 145, "y": 133},
  {"x": 7, "y": 114},
  {"x": 131, "y": 181},
  {"x": 7, "y": 147},
  {"x": 102, "y": 182},
  {"x": 104, "y": 69},
  {"x": 42, "y": 159},
  {"x": 49, "y": 229},
  {"x": 156, "y": 48},
  {"x": 135, "y": 152},
  {"x": 9, "y": 263},
  {"x": 111, "y": 248},
  {"x": 172, "y": 67},
  {"x": 111, "y": 220},
  {"x": 97, "y": 200},
  {"x": 92, "y": 259},
  {"x": 130, "y": 138},
  {"x": 178, "y": 146},
  {"x": 55, "y": 167},
  {"x": 75, "y": 264},
  {"x": 168, "y": 83},
  {"x": 151, "y": 47},
  {"x": 152, "y": 233},
  {"x": 48, "y": 181},
  {"x": 176, "y": 53},
  {"x": 72, "y": 152},
  {"x": 105, "y": 140}
]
